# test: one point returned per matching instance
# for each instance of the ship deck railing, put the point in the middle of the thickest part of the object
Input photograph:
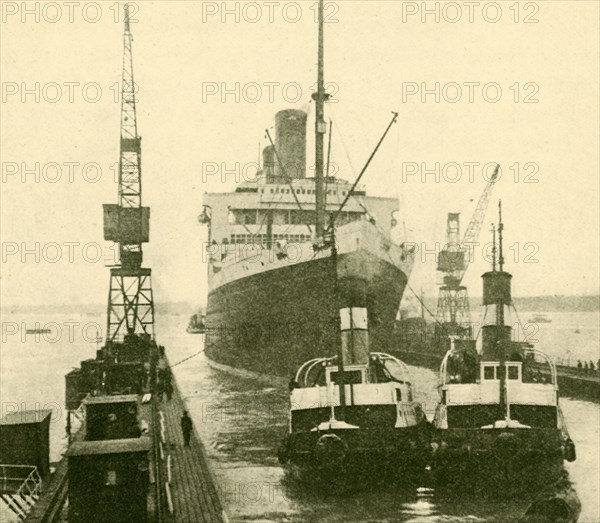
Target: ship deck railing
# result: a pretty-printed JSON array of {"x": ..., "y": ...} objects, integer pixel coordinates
[
  {"x": 20, "y": 487},
  {"x": 24, "y": 479}
]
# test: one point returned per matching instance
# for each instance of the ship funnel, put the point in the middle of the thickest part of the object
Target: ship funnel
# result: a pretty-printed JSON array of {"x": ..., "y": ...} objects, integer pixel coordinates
[
  {"x": 497, "y": 288},
  {"x": 496, "y": 295},
  {"x": 355, "y": 335},
  {"x": 352, "y": 304},
  {"x": 290, "y": 140}
]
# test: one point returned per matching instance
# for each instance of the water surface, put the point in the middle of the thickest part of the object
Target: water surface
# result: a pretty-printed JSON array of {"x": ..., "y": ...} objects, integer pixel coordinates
[{"x": 242, "y": 419}]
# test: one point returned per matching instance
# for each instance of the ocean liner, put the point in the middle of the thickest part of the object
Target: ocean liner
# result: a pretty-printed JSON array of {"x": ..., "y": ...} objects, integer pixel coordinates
[{"x": 273, "y": 293}]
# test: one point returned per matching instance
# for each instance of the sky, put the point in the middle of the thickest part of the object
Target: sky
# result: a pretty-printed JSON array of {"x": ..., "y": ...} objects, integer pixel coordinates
[{"x": 518, "y": 87}]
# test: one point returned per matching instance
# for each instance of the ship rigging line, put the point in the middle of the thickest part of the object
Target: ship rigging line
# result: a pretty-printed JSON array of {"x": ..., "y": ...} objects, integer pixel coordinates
[
  {"x": 360, "y": 203},
  {"x": 362, "y": 172},
  {"x": 423, "y": 304},
  {"x": 349, "y": 160},
  {"x": 264, "y": 219},
  {"x": 328, "y": 160},
  {"x": 287, "y": 179},
  {"x": 338, "y": 129},
  {"x": 480, "y": 327},
  {"x": 519, "y": 321}
]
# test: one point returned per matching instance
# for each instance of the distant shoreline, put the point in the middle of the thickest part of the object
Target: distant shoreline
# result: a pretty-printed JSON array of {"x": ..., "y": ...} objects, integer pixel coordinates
[
  {"x": 558, "y": 303},
  {"x": 555, "y": 303}
]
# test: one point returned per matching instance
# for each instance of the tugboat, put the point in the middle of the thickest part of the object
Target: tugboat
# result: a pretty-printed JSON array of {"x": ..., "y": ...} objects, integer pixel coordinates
[
  {"x": 352, "y": 415},
  {"x": 38, "y": 330},
  {"x": 197, "y": 324},
  {"x": 371, "y": 422},
  {"x": 499, "y": 417},
  {"x": 540, "y": 318}
]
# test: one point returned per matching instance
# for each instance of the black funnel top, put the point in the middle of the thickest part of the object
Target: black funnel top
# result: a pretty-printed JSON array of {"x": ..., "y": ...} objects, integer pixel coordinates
[{"x": 497, "y": 288}]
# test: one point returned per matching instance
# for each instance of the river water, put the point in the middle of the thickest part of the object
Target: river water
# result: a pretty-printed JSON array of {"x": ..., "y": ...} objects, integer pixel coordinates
[{"x": 241, "y": 419}]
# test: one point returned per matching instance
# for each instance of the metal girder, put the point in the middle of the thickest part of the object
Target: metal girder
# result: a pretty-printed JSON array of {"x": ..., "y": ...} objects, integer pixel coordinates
[{"x": 130, "y": 304}]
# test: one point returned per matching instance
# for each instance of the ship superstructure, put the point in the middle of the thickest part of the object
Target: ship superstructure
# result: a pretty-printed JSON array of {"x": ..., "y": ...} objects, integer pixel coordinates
[{"x": 278, "y": 206}]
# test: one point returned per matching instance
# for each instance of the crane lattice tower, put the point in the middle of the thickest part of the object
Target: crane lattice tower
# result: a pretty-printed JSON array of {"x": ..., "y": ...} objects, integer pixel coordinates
[
  {"x": 453, "y": 300},
  {"x": 130, "y": 300},
  {"x": 453, "y": 311}
]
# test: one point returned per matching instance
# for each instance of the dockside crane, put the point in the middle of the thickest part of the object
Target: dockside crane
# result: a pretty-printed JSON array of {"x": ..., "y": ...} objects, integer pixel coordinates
[
  {"x": 453, "y": 313},
  {"x": 130, "y": 300}
]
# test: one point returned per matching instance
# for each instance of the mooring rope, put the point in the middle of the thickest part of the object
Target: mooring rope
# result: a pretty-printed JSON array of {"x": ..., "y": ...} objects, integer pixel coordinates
[{"x": 186, "y": 359}]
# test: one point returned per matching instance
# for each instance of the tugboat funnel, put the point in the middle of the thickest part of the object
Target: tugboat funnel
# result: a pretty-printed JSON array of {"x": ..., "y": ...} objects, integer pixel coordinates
[{"x": 355, "y": 335}]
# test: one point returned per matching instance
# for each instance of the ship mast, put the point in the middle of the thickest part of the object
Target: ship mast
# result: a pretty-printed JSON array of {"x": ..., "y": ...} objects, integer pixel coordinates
[
  {"x": 493, "y": 248},
  {"x": 320, "y": 98},
  {"x": 500, "y": 321},
  {"x": 340, "y": 350},
  {"x": 500, "y": 229}
]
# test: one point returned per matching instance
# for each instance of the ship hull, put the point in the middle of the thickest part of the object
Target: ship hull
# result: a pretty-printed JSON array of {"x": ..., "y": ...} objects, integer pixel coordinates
[{"x": 273, "y": 321}]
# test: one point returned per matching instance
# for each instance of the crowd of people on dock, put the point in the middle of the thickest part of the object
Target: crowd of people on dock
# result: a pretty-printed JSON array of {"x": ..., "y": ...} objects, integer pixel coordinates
[{"x": 588, "y": 368}]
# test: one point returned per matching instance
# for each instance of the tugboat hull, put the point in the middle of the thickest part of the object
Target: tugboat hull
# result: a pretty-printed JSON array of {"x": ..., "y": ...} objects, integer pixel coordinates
[
  {"x": 502, "y": 460},
  {"x": 357, "y": 455}
]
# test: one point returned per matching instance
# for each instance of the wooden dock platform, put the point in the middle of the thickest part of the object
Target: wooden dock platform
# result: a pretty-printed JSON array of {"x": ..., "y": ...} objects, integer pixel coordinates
[
  {"x": 193, "y": 495},
  {"x": 575, "y": 383}
]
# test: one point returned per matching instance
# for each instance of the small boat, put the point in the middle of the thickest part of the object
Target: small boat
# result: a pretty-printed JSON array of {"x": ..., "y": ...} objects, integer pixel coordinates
[
  {"x": 38, "y": 331},
  {"x": 197, "y": 324},
  {"x": 540, "y": 318},
  {"x": 354, "y": 417},
  {"x": 499, "y": 418}
]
